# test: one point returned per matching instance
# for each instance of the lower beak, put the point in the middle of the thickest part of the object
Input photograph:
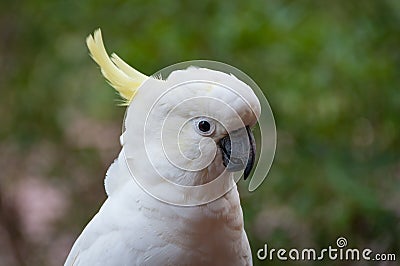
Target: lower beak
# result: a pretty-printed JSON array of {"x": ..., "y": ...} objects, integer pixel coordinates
[{"x": 238, "y": 151}]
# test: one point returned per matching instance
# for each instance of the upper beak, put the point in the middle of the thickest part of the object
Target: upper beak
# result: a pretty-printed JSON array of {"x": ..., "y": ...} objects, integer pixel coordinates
[{"x": 238, "y": 150}]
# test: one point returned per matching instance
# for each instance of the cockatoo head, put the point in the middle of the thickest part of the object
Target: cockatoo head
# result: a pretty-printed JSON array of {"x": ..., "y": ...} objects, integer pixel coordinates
[
  {"x": 194, "y": 124},
  {"x": 190, "y": 127}
]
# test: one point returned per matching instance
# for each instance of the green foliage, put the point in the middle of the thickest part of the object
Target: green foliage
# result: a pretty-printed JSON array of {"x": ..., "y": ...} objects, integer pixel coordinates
[{"x": 330, "y": 70}]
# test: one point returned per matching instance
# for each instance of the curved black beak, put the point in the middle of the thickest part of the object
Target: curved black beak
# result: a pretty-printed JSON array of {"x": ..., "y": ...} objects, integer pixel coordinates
[{"x": 239, "y": 150}]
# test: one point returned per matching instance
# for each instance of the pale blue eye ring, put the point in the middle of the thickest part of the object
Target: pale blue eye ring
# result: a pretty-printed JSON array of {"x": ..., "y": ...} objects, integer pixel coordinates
[{"x": 204, "y": 126}]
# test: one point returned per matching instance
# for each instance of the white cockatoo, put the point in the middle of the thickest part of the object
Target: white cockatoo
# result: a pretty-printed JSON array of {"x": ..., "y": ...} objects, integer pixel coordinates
[{"x": 172, "y": 197}]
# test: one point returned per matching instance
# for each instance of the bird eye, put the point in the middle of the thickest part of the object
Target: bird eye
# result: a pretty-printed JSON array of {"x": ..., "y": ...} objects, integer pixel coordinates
[{"x": 204, "y": 126}]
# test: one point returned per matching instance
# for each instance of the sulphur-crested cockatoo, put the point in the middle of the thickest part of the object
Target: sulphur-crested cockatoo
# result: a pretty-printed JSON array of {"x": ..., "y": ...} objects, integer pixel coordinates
[{"x": 172, "y": 196}]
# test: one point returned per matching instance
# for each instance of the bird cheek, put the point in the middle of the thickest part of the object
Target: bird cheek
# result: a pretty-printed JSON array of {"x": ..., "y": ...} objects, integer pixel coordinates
[{"x": 207, "y": 150}]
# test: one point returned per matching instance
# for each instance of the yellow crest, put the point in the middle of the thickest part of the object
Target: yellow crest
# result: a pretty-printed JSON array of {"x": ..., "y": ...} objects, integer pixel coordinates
[{"x": 124, "y": 78}]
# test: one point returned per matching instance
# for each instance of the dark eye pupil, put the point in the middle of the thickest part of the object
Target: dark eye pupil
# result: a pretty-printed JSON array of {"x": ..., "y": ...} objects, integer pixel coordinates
[{"x": 204, "y": 126}]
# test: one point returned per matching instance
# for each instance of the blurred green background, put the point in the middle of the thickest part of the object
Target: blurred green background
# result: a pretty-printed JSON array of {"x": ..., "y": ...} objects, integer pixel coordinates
[{"x": 330, "y": 70}]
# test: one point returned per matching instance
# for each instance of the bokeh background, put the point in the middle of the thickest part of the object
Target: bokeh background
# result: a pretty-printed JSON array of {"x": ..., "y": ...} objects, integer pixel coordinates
[{"x": 330, "y": 70}]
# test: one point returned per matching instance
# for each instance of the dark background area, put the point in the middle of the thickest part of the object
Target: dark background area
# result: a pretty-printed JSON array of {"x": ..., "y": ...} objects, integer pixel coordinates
[{"x": 331, "y": 73}]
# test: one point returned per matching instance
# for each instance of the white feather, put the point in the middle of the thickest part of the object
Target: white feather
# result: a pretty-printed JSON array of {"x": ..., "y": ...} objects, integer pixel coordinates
[{"x": 133, "y": 228}]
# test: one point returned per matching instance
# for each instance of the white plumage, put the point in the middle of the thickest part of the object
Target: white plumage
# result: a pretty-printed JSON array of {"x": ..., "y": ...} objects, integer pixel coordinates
[{"x": 133, "y": 227}]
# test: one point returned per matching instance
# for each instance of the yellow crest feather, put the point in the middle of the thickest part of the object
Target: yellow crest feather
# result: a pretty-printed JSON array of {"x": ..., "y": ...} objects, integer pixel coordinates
[{"x": 124, "y": 78}]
